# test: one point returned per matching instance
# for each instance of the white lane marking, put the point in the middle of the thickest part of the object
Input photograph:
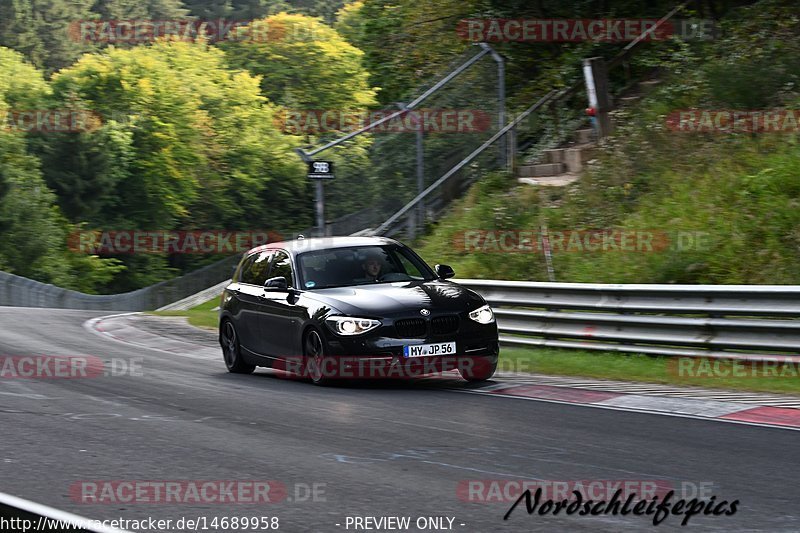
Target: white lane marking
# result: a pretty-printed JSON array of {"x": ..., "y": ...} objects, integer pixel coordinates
[
  {"x": 30, "y": 396},
  {"x": 676, "y": 405},
  {"x": 365, "y": 460},
  {"x": 125, "y": 334},
  {"x": 23, "y": 390},
  {"x": 55, "y": 514},
  {"x": 614, "y": 408}
]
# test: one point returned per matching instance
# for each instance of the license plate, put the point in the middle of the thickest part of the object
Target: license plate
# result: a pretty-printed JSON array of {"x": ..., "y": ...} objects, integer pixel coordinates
[{"x": 429, "y": 350}]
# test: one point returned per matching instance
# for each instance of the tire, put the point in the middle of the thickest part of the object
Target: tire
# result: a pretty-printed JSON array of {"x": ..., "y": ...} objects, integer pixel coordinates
[
  {"x": 481, "y": 370},
  {"x": 231, "y": 351},
  {"x": 314, "y": 358}
]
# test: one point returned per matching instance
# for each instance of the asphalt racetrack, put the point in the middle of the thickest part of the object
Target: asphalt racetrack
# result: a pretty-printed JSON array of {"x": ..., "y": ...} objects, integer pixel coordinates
[{"x": 334, "y": 454}]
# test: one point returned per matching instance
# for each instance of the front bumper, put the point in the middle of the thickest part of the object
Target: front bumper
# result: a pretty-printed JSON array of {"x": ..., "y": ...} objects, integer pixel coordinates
[{"x": 380, "y": 353}]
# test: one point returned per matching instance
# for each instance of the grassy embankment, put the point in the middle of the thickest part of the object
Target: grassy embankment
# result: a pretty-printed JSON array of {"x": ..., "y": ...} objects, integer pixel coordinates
[{"x": 723, "y": 208}]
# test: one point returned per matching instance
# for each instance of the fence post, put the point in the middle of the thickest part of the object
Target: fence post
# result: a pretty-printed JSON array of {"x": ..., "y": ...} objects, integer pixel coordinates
[
  {"x": 420, "y": 173},
  {"x": 501, "y": 102},
  {"x": 411, "y": 227},
  {"x": 512, "y": 150},
  {"x": 420, "y": 147},
  {"x": 596, "y": 76}
]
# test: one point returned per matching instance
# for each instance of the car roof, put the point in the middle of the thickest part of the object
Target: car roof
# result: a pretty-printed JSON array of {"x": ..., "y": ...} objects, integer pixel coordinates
[{"x": 302, "y": 245}]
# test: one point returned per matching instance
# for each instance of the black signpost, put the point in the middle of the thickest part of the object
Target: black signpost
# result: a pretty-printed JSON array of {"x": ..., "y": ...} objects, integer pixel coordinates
[{"x": 319, "y": 171}]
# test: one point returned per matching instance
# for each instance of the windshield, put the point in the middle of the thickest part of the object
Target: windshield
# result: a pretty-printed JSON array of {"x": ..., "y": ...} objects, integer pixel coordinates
[{"x": 361, "y": 265}]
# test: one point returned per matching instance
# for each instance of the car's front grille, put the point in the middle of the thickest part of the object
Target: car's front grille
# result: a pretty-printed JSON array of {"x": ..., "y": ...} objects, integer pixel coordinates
[
  {"x": 442, "y": 325},
  {"x": 411, "y": 327}
]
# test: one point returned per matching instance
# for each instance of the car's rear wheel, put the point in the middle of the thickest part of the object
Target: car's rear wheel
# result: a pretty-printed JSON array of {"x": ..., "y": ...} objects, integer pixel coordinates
[
  {"x": 481, "y": 369},
  {"x": 314, "y": 358},
  {"x": 231, "y": 351}
]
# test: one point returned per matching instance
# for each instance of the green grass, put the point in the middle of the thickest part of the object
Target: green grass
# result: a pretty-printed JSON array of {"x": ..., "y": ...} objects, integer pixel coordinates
[
  {"x": 633, "y": 367},
  {"x": 201, "y": 316}
]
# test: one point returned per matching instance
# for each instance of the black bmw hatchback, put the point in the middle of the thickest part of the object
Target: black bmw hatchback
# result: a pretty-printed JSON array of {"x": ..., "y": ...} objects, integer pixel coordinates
[{"x": 353, "y": 307}]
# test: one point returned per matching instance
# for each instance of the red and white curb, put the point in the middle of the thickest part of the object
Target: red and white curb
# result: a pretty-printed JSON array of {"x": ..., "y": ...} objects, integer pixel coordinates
[{"x": 723, "y": 411}]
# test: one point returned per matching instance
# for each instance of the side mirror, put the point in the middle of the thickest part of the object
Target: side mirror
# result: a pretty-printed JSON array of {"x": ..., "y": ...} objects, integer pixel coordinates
[
  {"x": 444, "y": 271},
  {"x": 277, "y": 283}
]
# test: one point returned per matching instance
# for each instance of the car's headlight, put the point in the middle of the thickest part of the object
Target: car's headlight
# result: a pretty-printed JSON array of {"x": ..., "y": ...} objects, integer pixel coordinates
[
  {"x": 482, "y": 315},
  {"x": 348, "y": 325}
]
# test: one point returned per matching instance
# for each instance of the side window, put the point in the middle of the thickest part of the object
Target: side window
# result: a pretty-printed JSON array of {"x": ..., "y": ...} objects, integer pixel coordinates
[
  {"x": 282, "y": 266},
  {"x": 254, "y": 271},
  {"x": 244, "y": 266},
  {"x": 410, "y": 269}
]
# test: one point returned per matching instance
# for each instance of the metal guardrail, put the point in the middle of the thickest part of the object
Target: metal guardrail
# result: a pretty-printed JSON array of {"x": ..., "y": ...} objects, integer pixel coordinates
[
  {"x": 23, "y": 292},
  {"x": 746, "y": 322}
]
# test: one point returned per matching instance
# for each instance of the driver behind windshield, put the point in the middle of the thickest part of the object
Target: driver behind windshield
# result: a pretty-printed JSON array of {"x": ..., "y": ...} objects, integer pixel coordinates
[{"x": 373, "y": 267}]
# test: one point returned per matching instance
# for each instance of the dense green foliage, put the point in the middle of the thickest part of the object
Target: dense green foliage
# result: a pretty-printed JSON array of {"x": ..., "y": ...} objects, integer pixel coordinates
[
  {"x": 34, "y": 232},
  {"x": 303, "y": 63},
  {"x": 188, "y": 135},
  {"x": 739, "y": 192}
]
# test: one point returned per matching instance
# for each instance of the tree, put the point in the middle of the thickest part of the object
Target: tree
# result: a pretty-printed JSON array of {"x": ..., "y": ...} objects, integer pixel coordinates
[
  {"x": 186, "y": 143},
  {"x": 140, "y": 9},
  {"x": 303, "y": 63},
  {"x": 349, "y": 22},
  {"x": 46, "y": 31},
  {"x": 39, "y": 29},
  {"x": 156, "y": 119},
  {"x": 402, "y": 42},
  {"x": 33, "y": 232},
  {"x": 239, "y": 10}
]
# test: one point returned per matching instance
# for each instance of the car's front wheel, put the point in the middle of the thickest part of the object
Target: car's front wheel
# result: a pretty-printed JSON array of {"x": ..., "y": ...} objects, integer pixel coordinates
[
  {"x": 480, "y": 369},
  {"x": 231, "y": 351},
  {"x": 314, "y": 358}
]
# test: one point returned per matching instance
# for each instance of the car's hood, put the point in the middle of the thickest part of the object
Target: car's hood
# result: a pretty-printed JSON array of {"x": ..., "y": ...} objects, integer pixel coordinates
[{"x": 399, "y": 298}]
